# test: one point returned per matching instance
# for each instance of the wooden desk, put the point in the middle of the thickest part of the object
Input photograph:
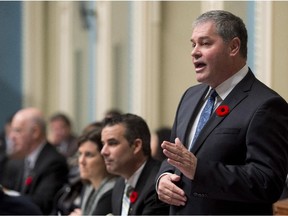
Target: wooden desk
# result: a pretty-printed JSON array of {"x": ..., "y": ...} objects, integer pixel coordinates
[{"x": 280, "y": 207}]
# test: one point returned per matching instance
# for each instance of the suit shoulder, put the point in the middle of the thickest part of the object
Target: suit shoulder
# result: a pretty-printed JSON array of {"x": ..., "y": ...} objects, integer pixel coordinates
[
  {"x": 262, "y": 93},
  {"x": 153, "y": 164},
  {"x": 49, "y": 155},
  {"x": 50, "y": 149},
  {"x": 195, "y": 88}
]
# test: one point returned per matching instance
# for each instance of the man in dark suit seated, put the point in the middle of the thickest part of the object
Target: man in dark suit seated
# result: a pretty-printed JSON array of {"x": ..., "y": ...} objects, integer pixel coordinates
[
  {"x": 126, "y": 150},
  {"x": 37, "y": 170},
  {"x": 62, "y": 137},
  {"x": 235, "y": 163}
]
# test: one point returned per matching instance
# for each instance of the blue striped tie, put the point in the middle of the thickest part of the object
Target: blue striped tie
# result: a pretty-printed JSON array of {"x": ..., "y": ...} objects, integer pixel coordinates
[{"x": 205, "y": 115}]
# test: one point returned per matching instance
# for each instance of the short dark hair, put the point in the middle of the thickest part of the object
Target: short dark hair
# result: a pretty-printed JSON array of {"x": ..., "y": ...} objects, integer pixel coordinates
[
  {"x": 136, "y": 128},
  {"x": 93, "y": 135},
  {"x": 112, "y": 112},
  {"x": 228, "y": 26},
  {"x": 62, "y": 117}
]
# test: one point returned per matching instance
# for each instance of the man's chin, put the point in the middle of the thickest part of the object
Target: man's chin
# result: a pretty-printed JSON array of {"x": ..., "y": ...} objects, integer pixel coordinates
[
  {"x": 111, "y": 170},
  {"x": 200, "y": 78},
  {"x": 16, "y": 155}
]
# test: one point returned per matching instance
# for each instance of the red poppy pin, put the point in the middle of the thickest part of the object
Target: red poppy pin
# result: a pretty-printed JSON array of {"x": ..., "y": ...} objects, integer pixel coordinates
[
  {"x": 222, "y": 110},
  {"x": 28, "y": 181},
  {"x": 133, "y": 196}
]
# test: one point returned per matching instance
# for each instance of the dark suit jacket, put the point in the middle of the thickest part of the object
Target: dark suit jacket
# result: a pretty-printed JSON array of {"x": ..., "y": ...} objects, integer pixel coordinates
[
  {"x": 72, "y": 146},
  {"x": 17, "y": 205},
  {"x": 49, "y": 175},
  {"x": 242, "y": 157},
  {"x": 101, "y": 201},
  {"x": 104, "y": 205},
  {"x": 146, "y": 203},
  {"x": 65, "y": 199}
]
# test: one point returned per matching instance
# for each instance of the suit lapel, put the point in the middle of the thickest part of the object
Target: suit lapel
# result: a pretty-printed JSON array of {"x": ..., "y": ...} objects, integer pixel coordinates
[
  {"x": 142, "y": 185},
  {"x": 39, "y": 167},
  {"x": 118, "y": 199},
  {"x": 239, "y": 93},
  {"x": 20, "y": 180},
  {"x": 195, "y": 104},
  {"x": 139, "y": 188},
  {"x": 41, "y": 160}
]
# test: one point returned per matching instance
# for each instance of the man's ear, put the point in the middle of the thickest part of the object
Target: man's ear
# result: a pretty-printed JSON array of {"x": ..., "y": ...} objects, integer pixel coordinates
[
  {"x": 137, "y": 145},
  {"x": 36, "y": 131},
  {"x": 234, "y": 45}
]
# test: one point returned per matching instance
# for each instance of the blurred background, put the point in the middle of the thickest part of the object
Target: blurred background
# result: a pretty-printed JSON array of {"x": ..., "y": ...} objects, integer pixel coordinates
[{"x": 84, "y": 58}]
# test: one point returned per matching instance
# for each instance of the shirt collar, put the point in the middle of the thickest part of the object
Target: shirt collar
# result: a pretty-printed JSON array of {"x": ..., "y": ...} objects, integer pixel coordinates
[
  {"x": 32, "y": 157},
  {"x": 134, "y": 178},
  {"x": 227, "y": 86}
]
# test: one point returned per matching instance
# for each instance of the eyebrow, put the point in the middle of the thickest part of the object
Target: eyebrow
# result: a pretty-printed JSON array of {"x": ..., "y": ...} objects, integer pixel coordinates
[
  {"x": 201, "y": 38},
  {"x": 112, "y": 140}
]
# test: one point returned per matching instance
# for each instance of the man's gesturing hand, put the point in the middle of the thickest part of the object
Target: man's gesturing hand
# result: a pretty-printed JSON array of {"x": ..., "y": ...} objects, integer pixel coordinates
[
  {"x": 181, "y": 158},
  {"x": 169, "y": 192}
]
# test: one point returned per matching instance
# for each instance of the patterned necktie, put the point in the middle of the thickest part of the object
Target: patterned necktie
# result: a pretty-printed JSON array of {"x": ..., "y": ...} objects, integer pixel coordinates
[
  {"x": 205, "y": 115},
  {"x": 126, "y": 200}
]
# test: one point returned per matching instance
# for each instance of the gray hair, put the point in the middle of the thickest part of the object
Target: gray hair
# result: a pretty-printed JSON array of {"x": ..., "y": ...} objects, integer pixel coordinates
[{"x": 228, "y": 26}]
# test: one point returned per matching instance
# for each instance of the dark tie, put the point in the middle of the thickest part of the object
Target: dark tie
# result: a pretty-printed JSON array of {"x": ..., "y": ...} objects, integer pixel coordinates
[
  {"x": 26, "y": 173},
  {"x": 205, "y": 115}
]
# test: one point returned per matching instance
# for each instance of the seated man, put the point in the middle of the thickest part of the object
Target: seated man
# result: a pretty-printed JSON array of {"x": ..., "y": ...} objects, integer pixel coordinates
[
  {"x": 37, "y": 170},
  {"x": 61, "y": 135},
  {"x": 127, "y": 153}
]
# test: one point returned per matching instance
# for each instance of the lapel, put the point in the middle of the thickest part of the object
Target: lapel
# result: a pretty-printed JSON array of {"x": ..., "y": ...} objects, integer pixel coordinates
[
  {"x": 235, "y": 97},
  {"x": 42, "y": 157},
  {"x": 39, "y": 167},
  {"x": 197, "y": 94},
  {"x": 142, "y": 181},
  {"x": 119, "y": 188},
  {"x": 87, "y": 193},
  {"x": 140, "y": 186},
  {"x": 28, "y": 183},
  {"x": 19, "y": 179}
]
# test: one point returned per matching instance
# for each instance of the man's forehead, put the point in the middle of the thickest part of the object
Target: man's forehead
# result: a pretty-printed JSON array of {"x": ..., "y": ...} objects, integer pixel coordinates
[
  {"x": 113, "y": 129},
  {"x": 204, "y": 27},
  {"x": 204, "y": 32},
  {"x": 119, "y": 126}
]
